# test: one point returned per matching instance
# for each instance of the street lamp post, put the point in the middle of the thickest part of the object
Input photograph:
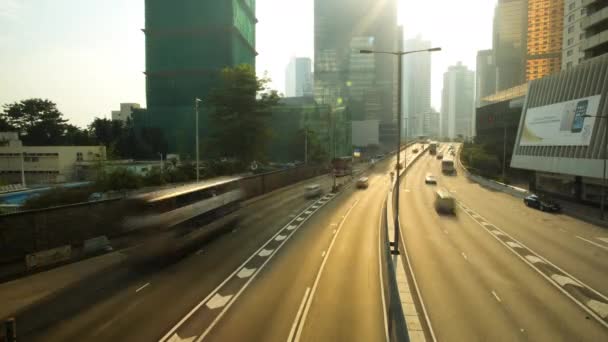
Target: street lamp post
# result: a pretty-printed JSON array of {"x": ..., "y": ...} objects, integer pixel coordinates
[
  {"x": 399, "y": 55},
  {"x": 605, "y": 155},
  {"x": 196, "y": 102}
]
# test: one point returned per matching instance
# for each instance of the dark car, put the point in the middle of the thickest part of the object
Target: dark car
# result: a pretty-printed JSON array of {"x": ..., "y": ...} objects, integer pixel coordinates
[{"x": 542, "y": 203}]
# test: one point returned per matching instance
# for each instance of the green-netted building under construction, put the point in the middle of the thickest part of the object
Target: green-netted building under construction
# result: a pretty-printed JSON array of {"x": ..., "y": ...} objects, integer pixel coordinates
[{"x": 188, "y": 42}]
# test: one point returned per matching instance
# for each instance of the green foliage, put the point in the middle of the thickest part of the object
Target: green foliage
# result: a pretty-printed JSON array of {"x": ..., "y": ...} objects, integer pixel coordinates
[
  {"x": 475, "y": 157},
  {"x": 58, "y": 196},
  {"x": 239, "y": 105},
  {"x": 38, "y": 121},
  {"x": 119, "y": 179}
]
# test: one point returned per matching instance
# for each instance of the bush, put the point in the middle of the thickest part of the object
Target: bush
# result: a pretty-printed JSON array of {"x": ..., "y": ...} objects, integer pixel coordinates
[
  {"x": 119, "y": 179},
  {"x": 58, "y": 196},
  {"x": 478, "y": 160}
]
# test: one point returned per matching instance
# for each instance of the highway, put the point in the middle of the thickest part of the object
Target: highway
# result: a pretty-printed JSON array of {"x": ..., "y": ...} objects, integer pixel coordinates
[
  {"x": 481, "y": 272},
  {"x": 292, "y": 269}
]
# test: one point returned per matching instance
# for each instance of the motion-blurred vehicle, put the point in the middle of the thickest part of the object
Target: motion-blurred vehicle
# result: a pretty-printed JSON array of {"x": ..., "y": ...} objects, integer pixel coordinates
[
  {"x": 440, "y": 156},
  {"x": 444, "y": 202},
  {"x": 362, "y": 183},
  {"x": 172, "y": 221},
  {"x": 343, "y": 166},
  {"x": 400, "y": 166},
  {"x": 415, "y": 150},
  {"x": 312, "y": 190},
  {"x": 447, "y": 166},
  {"x": 542, "y": 203},
  {"x": 433, "y": 147},
  {"x": 430, "y": 179}
]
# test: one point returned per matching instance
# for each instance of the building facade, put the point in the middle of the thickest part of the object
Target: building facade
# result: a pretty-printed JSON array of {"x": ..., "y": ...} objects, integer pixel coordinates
[
  {"x": 544, "y": 39},
  {"x": 573, "y": 35},
  {"x": 430, "y": 123},
  {"x": 298, "y": 77},
  {"x": 188, "y": 43},
  {"x": 457, "y": 105},
  {"x": 126, "y": 111},
  {"x": 342, "y": 78},
  {"x": 509, "y": 42},
  {"x": 563, "y": 149},
  {"x": 43, "y": 164},
  {"x": 416, "y": 86},
  {"x": 595, "y": 25},
  {"x": 485, "y": 76}
]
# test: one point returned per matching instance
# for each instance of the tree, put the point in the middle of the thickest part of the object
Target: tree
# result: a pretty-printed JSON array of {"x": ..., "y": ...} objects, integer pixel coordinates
[
  {"x": 239, "y": 105},
  {"x": 74, "y": 135},
  {"x": 38, "y": 121}
]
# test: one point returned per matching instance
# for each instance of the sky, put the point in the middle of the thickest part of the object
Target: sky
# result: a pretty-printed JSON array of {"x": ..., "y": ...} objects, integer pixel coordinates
[{"x": 89, "y": 56}]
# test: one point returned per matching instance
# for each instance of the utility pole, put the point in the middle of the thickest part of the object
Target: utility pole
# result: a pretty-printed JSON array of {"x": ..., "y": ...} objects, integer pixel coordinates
[
  {"x": 306, "y": 146},
  {"x": 23, "y": 169},
  {"x": 196, "y": 102},
  {"x": 504, "y": 152}
]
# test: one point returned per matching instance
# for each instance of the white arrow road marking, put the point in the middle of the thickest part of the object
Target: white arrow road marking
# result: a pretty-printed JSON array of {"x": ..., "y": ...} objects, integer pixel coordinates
[
  {"x": 265, "y": 252},
  {"x": 280, "y": 237},
  {"x": 245, "y": 272},
  {"x": 218, "y": 301},
  {"x": 177, "y": 338},
  {"x": 513, "y": 244},
  {"x": 534, "y": 259},
  {"x": 563, "y": 280},
  {"x": 291, "y": 227},
  {"x": 497, "y": 232},
  {"x": 599, "y": 307},
  {"x": 315, "y": 206},
  {"x": 486, "y": 223},
  {"x": 308, "y": 212},
  {"x": 300, "y": 219}
]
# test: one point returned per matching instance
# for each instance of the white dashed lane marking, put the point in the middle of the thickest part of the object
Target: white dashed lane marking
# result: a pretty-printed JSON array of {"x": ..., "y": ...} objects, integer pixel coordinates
[
  {"x": 142, "y": 287},
  {"x": 604, "y": 239},
  {"x": 599, "y": 308},
  {"x": 218, "y": 301},
  {"x": 534, "y": 259},
  {"x": 464, "y": 256},
  {"x": 245, "y": 272},
  {"x": 496, "y": 296},
  {"x": 563, "y": 280},
  {"x": 265, "y": 252}
]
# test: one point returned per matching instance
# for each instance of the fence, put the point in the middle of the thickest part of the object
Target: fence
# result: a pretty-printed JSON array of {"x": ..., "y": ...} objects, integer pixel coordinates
[{"x": 31, "y": 231}]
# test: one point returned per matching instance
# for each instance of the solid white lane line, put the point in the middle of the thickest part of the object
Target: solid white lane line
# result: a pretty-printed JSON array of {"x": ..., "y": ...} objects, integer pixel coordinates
[
  {"x": 298, "y": 315},
  {"x": 260, "y": 252},
  {"x": 602, "y": 239},
  {"x": 318, "y": 277},
  {"x": 464, "y": 256},
  {"x": 496, "y": 296},
  {"x": 142, "y": 287},
  {"x": 593, "y": 243},
  {"x": 385, "y": 316}
]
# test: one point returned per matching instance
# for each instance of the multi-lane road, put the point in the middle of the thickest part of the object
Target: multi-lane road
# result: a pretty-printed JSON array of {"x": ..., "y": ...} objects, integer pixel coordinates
[
  {"x": 297, "y": 269},
  {"x": 292, "y": 269},
  {"x": 499, "y": 271}
]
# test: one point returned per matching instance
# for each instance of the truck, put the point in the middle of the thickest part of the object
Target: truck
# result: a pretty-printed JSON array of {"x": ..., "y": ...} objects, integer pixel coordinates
[
  {"x": 447, "y": 165},
  {"x": 343, "y": 166},
  {"x": 433, "y": 147}
]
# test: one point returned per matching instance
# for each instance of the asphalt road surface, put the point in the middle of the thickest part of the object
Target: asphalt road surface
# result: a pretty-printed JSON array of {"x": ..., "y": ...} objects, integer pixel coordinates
[
  {"x": 484, "y": 273},
  {"x": 291, "y": 269}
]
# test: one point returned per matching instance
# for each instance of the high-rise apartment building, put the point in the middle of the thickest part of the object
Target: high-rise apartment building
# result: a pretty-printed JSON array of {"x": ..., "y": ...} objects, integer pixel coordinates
[
  {"x": 298, "y": 77},
  {"x": 595, "y": 26},
  {"x": 457, "y": 102},
  {"x": 485, "y": 80},
  {"x": 188, "y": 43},
  {"x": 341, "y": 76},
  {"x": 416, "y": 86},
  {"x": 545, "y": 34},
  {"x": 573, "y": 33},
  {"x": 509, "y": 42},
  {"x": 430, "y": 123}
]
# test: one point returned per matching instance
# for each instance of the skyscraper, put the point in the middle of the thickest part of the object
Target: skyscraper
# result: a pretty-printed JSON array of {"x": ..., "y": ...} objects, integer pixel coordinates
[
  {"x": 416, "y": 86},
  {"x": 573, "y": 33},
  {"x": 342, "y": 78},
  {"x": 545, "y": 34},
  {"x": 187, "y": 44},
  {"x": 509, "y": 43},
  {"x": 485, "y": 81},
  {"x": 457, "y": 103},
  {"x": 298, "y": 78}
]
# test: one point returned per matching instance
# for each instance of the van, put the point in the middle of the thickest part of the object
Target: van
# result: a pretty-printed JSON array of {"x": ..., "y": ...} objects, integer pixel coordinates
[
  {"x": 312, "y": 190},
  {"x": 444, "y": 202}
]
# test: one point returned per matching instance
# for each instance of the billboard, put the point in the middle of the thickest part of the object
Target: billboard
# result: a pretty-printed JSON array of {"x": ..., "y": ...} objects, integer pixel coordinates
[
  {"x": 365, "y": 133},
  {"x": 561, "y": 124}
]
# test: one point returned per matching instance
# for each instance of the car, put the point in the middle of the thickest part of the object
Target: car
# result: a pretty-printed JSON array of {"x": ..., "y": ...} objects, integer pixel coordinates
[
  {"x": 430, "y": 179},
  {"x": 440, "y": 156},
  {"x": 312, "y": 190},
  {"x": 542, "y": 203},
  {"x": 362, "y": 183}
]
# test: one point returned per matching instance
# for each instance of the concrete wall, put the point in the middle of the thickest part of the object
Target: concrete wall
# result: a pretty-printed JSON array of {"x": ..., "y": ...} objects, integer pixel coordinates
[{"x": 31, "y": 231}]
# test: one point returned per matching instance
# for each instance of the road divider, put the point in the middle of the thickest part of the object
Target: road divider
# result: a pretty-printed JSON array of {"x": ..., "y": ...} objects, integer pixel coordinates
[{"x": 48, "y": 257}]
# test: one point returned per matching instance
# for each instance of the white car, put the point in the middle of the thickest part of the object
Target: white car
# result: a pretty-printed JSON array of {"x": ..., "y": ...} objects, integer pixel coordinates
[
  {"x": 430, "y": 179},
  {"x": 312, "y": 190},
  {"x": 362, "y": 183}
]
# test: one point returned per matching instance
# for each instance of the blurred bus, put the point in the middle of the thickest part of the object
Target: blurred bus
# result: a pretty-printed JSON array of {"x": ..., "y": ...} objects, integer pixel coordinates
[
  {"x": 447, "y": 165},
  {"x": 433, "y": 147},
  {"x": 172, "y": 221},
  {"x": 343, "y": 166},
  {"x": 444, "y": 202}
]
